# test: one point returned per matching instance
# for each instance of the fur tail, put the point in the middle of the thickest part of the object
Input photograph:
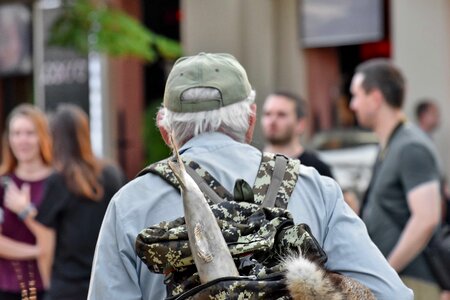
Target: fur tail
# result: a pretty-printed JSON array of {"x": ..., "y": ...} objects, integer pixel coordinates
[{"x": 307, "y": 281}]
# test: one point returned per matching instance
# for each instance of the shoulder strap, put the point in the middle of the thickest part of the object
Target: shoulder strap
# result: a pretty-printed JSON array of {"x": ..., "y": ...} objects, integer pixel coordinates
[
  {"x": 203, "y": 185},
  {"x": 213, "y": 190},
  {"x": 276, "y": 179},
  {"x": 274, "y": 184}
]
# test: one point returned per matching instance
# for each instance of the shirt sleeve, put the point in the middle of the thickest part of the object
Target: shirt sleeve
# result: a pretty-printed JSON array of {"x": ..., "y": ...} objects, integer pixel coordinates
[
  {"x": 351, "y": 252},
  {"x": 55, "y": 199},
  {"x": 417, "y": 166},
  {"x": 114, "y": 274}
]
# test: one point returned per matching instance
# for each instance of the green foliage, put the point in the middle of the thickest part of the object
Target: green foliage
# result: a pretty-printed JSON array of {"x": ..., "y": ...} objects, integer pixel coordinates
[
  {"x": 154, "y": 146},
  {"x": 84, "y": 27}
]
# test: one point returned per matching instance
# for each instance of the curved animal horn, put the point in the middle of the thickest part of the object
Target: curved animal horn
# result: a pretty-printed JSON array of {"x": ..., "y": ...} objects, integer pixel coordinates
[{"x": 209, "y": 249}]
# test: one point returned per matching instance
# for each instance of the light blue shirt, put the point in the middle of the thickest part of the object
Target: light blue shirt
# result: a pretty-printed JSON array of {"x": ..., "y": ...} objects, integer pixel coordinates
[{"x": 119, "y": 274}]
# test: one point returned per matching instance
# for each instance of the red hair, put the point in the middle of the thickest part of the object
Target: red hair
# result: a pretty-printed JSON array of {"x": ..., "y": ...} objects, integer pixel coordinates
[{"x": 9, "y": 161}]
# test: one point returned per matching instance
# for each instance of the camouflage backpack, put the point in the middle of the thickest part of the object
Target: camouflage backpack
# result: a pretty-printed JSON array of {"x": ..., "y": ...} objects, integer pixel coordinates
[{"x": 257, "y": 227}]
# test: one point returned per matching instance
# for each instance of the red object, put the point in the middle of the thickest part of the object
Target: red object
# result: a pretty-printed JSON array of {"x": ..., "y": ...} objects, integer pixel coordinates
[{"x": 376, "y": 49}]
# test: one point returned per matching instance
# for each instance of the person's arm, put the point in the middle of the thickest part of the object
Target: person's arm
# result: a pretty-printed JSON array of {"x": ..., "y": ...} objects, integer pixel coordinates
[
  {"x": 419, "y": 176},
  {"x": 46, "y": 242},
  {"x": 424, "y": 204},
  {"x": 351, "y": 252},
  {"x": 18, "y": 201},
  {"x": 352, "y": 200},
  {"x": 12, "y": 249},
  {"x": 445, "y": 295}
]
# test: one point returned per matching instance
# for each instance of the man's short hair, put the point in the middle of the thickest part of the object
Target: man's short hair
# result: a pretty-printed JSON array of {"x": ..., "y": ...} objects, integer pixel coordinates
[
  {"x": 381, "y": 74},
  {"x": 300, "y": 104},
  {"x": 422, "y": 107},
  {"x": 207, "y": 92}
]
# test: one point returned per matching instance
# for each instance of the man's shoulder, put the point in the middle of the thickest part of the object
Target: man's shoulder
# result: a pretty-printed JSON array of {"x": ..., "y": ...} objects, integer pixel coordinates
[
  {"x": 320, "y": 188},
  {"x": 143, "y": 182},
  {"x": 141, "y": 190},
  {"x": 144, "y": 201},
  {"x": 411, "y": 135}
]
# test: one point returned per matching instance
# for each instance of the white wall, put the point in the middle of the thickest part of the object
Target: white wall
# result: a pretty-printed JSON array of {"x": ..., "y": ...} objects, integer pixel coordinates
[
  {"x": 261, "y": 34},
  {"x": 421, "y": 47}
]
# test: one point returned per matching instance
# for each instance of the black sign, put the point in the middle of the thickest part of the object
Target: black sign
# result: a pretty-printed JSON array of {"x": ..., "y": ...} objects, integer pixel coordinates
[{"x": 63, "y": 73}]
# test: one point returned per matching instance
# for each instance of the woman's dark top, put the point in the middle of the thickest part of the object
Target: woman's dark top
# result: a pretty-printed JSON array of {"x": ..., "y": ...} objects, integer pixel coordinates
[{"x": 77, "y": 222}]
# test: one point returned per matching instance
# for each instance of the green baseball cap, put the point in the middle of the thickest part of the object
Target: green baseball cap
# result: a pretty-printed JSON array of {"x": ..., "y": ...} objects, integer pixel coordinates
[{"x": 220, "y": 72}]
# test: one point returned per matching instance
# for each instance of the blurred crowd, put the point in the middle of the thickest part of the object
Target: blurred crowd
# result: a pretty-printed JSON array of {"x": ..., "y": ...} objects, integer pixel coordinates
[
  {"x": 54, "y": 192},
  {"x": 53, "y": 197}
]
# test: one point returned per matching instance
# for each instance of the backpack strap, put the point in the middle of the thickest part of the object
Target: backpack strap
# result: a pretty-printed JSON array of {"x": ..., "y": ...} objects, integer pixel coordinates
[
  {"x": 203, "y": 185},
  {"x": 276, "y": 179},
  {"x": 274, "y": 184},
  {"x": 213, "y": 190}
]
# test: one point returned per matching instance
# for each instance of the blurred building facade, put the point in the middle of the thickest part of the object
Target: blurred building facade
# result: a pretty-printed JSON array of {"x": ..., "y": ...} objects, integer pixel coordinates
[{"x": 266, "y": 37}]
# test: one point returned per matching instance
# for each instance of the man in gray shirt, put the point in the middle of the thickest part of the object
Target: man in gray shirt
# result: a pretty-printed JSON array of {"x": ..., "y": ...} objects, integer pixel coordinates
[
  {"x": 209, "y": 108},
  {"x": 402, "y": 206}
]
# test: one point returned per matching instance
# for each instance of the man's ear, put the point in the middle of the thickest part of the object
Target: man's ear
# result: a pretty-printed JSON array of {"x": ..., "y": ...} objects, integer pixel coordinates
[
  {"x": 300, "y": 128},
  {"x": 251, "y": 123},
  {"x": 164, "y": 134},
  {"x": 378, "y": 97}
]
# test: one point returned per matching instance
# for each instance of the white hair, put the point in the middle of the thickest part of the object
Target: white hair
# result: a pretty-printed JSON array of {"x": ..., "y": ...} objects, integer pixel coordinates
[{"x": 233, "y": 120}]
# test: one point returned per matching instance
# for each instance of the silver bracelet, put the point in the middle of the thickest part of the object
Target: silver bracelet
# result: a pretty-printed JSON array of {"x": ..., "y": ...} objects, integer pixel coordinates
[{"x": 26, "y": 211}]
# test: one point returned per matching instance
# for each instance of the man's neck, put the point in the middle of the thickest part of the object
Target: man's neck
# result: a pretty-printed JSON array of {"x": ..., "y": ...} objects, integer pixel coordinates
[
  {"x": 386, "y": 125},
  {"x": 293, "y": 149}
]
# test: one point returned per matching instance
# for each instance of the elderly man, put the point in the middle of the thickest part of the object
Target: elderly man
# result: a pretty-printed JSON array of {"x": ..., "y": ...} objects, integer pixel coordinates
[{"x": 210, "y": 111}]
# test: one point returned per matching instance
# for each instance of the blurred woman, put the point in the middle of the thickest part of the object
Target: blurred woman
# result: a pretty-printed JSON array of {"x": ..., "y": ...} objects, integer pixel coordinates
[
  {"x": 25, "y": 171},
  {"x": 81, "y": 191}
]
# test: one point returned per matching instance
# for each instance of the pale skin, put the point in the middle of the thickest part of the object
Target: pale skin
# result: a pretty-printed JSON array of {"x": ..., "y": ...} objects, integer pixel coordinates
[
  {"x": 280, "y": 123},
  {"x": 445, "y": 295},
  {"x": 11, "y": 249},
  {"x": 374, "y": 112},
  {"x": 24, "y": 143}
]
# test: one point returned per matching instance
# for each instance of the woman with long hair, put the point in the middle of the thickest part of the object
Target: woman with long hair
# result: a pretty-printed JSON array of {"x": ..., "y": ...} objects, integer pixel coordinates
[
  {"x": 81, "y": 191},
  {"x": 25, "y": 170}
]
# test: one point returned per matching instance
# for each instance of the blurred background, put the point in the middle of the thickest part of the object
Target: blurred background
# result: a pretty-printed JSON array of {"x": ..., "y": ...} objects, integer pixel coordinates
[{"x": 112, "y": 57}]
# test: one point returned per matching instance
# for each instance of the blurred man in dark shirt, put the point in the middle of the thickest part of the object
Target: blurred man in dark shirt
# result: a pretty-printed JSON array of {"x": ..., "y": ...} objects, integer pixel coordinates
[
  {"x": 402, "y": 208},
  {"x": 283, "y": 123}
]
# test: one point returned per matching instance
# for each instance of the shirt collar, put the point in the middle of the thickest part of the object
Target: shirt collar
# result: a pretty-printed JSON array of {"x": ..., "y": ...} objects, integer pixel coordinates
[{"x": 207, "y": 139}]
